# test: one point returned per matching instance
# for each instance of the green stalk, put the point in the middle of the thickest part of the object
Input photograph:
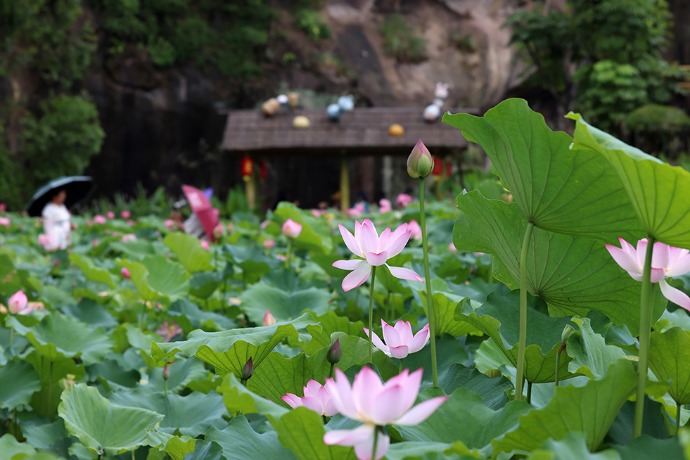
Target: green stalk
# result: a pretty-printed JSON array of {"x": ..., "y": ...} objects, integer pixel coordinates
[
  {"x": 371, "y": 312},
  {"x": 376, "y": 442},
  {"x": 289, "y": 254},
  {"x": 677, "y": 417},
  {"x": 427, "y": 279},
  {"x": 645, "y": 332},
  {"x": 523, "y": 313},
  {"x": 558, "y": 363}
]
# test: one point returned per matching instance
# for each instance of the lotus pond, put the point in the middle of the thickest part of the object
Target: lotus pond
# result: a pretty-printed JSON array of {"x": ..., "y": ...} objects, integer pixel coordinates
[{"x": 544, "y": 318}]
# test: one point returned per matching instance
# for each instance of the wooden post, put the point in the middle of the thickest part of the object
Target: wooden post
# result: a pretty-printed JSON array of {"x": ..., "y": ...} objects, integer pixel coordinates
[{"x": 344, "y": 184}]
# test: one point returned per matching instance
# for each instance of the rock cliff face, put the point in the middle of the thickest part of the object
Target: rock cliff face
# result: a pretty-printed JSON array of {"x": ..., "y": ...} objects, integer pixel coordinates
[{"x": 163, "y": 126}]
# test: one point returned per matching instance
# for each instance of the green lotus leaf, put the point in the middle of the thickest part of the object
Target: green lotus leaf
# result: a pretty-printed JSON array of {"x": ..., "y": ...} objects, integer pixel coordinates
[
  {"x": 283, "y": 305},
  {"x": 102, "y": 426},
  {"x": 669, "y": 359},
  {"x": 656, "y": 190},
  {"x": 91, "y": 271},
  {"x": 156, "y": 277},
  {"x": 239, "y": 441},
  {"x": 554, "y": 187},
  {"x": 189, "y": 252},
  {"x": 19, "y": 382}
]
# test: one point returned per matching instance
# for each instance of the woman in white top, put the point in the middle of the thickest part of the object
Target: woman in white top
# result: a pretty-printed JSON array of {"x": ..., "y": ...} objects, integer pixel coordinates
[{"x": 56, "y": 221}]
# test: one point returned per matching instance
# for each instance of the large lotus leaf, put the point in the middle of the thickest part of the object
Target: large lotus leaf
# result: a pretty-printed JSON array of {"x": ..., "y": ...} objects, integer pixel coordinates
[
  {"x": 646, "y": 447},
  {"x": 492, "y": 391},
  {"x": 239, "y": 441},
  {"x": 139, "y": 249},
  {"x": 192, "y": 415},
  {"x": 657, "y": 191},
  {"x": 101, "y": 425},
  {"x": 205, "y": 450},
  {"x": 498, "y": 318},
  {"x": 189, "y": 252},
  {"x": 12, "y": 448},
  {"x": 445, "y": 304},
  {"x": 480, "y": 424},
  {"x": 58, "y": 336},
  {"x": 430, "y": 451},
  {"x": 555, "y": 188},
  {"x": 669, "y": 359},
  {"x": 216, "y": 348},
  {"x": 301, "y": 430},
  {"x": 589, "y": 351},
  {"x": 572, "y": 447},
  {"x": 283, "y": 305},
  {"x": 158, "y": 278},
  {"x": 19, "y": 382},
  {"x": 239, "y": 399},
  {"x": 51, "y": 373},
  {"x": 315, "y": 235},
  {"x": 204, "y": 284},
  {"x": 91, "y": 271},
  {"x": 45, "y": 435},
  {"x": 589, "y": 409},
  {"x": 573, "y": 274}
]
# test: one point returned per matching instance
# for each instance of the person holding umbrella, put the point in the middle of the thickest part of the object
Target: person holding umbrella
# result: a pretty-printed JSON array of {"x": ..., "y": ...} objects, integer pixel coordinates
[
  {"x": 56, "y": 221},
  {"x": 51, "y": 202}
]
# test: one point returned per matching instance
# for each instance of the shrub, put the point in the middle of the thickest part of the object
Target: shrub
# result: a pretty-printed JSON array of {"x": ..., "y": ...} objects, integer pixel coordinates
[{"x": 400, "y": 40}]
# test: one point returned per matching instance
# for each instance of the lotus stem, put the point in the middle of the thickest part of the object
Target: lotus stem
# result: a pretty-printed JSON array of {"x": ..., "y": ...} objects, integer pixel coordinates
[
  {"x": 645, "y": 332},
  {"x": 375, "y": 444},
  {"x": 678, "y": 406},
  {"x": 523, "y": 313},
  {"x": 371, "y": 312},
  {"x": 289, "y": 254},
  {"x": 529, "y": 392},
  {"x": 427, "y": 280},
  {"x": 558, "y": 364}
]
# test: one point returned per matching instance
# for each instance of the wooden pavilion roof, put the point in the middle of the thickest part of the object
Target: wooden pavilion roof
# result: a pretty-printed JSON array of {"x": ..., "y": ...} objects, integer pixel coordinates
[{"x": 361, "y": 131}]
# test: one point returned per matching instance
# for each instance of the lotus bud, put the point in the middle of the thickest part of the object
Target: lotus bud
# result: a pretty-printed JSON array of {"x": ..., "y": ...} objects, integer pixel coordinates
[
  {"x": 420, "y": 163},
  {"x": 291, "y": 229},
  {"x": 334, "y": 353},
  {"x": 247, "y": 370},
  {"x": 269, "y": 319},
  {"x": 125, "y": 273},
  {"x": 568, "y": 331},
  {"x": 166, "y": 370},
  {"x": 17, "y": 302}
]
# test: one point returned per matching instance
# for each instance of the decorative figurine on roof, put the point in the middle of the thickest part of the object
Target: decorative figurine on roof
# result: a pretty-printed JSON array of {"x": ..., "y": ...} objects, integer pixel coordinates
[
  {"x": 433, "y": 111},
  {"x": 344, "y": 104}
]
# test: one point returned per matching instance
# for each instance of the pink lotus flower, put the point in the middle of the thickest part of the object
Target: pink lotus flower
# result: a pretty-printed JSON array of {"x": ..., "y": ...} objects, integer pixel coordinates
[
  {"x": 169, "y": 330},
  {"x": 399, "y": 339},
  {"x": 4, "y": 222},
  {"x": 292, "y": 229},
  {"x": 99, "y": 220},
  {"x": 110, "y": 215},
  {"x": 264, "y": 224},
  {"x": 452, "y": 247},
  {"x": 204, "y": 244},
  {"x": 385, "y": 205},
  {"x": 357, "y": 210},
  {"x": 269, "y": 244},
  {"x": 128, "y": 237},
  {"x": 125, "y": 214},
  {"x": 403, "y": 200},
  {"x": 416, "y": 230},
  {"x": 17, "y": 303},
  {"x": 269, "y": 319},
  {"x": 316, "y": 213},
  {"x": 46, "y": 241},
  {"x": 375, "y": 250},
  {"x": 169, "y": 224},
  {"x": 376, "y": 404},
  {"x": 315, "y": 398},
  {"x": 667, "y": 261},
  {"x": 125, "y": 273}
]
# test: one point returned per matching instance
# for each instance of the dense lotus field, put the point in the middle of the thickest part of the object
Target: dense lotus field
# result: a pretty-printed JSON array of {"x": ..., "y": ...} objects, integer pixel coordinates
[{"x": 545, "y": 332}]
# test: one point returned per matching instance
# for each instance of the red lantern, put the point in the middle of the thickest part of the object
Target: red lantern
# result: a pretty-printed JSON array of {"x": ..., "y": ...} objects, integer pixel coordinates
[
  {"x": 263, "y": 170},
  {"x": 438, "y": 166},
  {"x": 247, "y": 167}
]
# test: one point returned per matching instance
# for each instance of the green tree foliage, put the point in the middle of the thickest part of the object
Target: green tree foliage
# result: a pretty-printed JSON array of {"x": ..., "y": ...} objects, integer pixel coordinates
[
  {"x": 63, "y": 138},
  {"x": 218, "y": 36},
  {"x": 602, "y": 57},
  {"x": 400, "y": 40}
]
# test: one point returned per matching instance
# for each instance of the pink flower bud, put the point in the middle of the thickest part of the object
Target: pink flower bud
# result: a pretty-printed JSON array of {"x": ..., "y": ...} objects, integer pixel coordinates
[
  {"x": 110, "y": 215},
  {"x": 99, "y": 220},
  {"x": 125, "y": 273},
  {"x": 219, "y": 231},
  {"x": 247, "y": 370},
  {"x": 269, "y": 319},
  {"x": 125, "y": 214},
  {"x": 385, "y": 205},
  {"x": 4, "y": 222},
  {"x": 269, "y": 244},
  {"x": 415, "y": 230},
  {"x": 292, "y": 229},
  {"x": 204, "y": 244},
  {"x": 452, "y": 247},
  {"x": 17, "y": 303},
  {"x": 420, "y": 163},
  {"x": 403, "y": 200}
]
